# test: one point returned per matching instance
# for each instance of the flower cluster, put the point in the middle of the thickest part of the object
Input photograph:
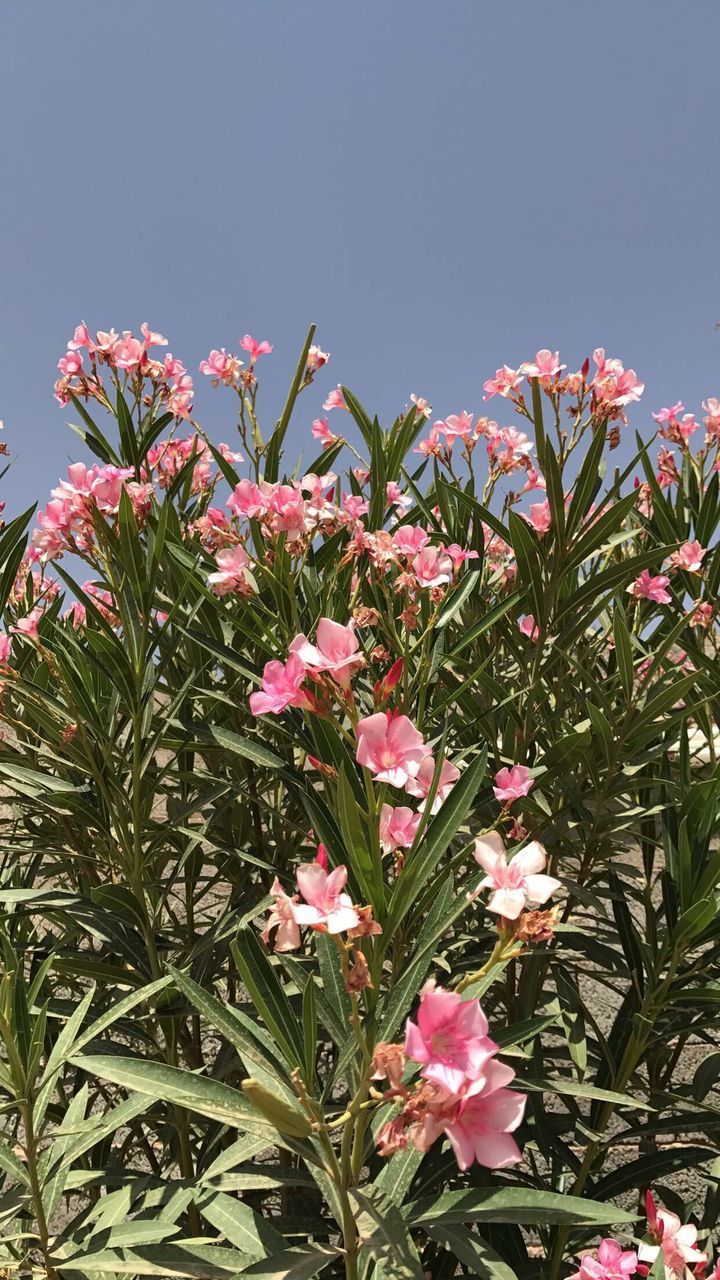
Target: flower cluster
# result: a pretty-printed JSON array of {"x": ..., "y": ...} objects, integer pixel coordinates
[
  {"x": 462, "y": 1091},
  {"x": 125, "y": 356}
]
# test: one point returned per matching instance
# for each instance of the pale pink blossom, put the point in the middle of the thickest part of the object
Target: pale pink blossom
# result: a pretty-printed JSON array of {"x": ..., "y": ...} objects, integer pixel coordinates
[
  {"x": 545, "y": 366},
  {"x": 712, "y": 419},
  {"x": 421, "y": 783},
  {"x": 540, "y": 517},
  {"x": 486, "y": 1116},
  {"x": 326, "y": 907},
  {"x": 409, "y": 539},
  {"x": 432, "y": 567},
  {"x": 421, "y": 405},
  {"x": 231, "y": 572},
  {"x": 247, "y": 501},
  {"x": 651, "y": 587},
  {"x": 450, "y": 1038},
  {"x": 281, "y": 687},
  {"x": 515, "y": 883},
  {"x": 320, "y": 430},
  {"x": 287, "y": 512},
  {"x": 128, "y": 352},
  {"x": 28, "y": 626},
  {"x": 334, "y": 400},
  {"x": 611, "y": 1262},
  {"x": 677, "y": 1242},
  {"x": 354, "y": 506},
  {"x": 529, "y": 627},
  {"x": 255, "y": 348},
  {"x": 613, "y": 385},
  {"x": 456, "y": 425},
  {"x": 70, "y": 364},
  {"x": 221, "y": 367},
  {"x": 282, "y": 921},
  {"x": 432, "y": 446},
  {"x": 689, "y": 557},
  {"x": 511, "y": 784},
  {"x": 398, "y": 827},
  {"x": 459, "y": 555},
  {"x": 395, "y": 496},
  {"x": 6, "y": 650},
  {"x": 336, "y": 650},
  {"x": 506, "y": 381},
  {"x": 316, "y": 358},
  {"x": 390, "y": 747}
]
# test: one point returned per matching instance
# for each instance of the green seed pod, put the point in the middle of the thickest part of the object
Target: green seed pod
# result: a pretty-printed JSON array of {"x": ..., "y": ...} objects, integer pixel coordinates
[{"x": 280, "y": 1114}]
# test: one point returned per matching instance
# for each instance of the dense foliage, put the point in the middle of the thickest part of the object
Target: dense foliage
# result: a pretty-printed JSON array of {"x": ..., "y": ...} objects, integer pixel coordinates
[{"x": 358, "y": 893}]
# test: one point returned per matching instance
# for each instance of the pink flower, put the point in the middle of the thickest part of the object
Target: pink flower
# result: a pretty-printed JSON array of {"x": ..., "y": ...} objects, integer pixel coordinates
[
  {"x": 450, "y": 1038},
  {"x": 281, "y": 688},
  {"x": 28, "y": 626},
  {"x": 354, "y": 505},
  {"x": 128, "y": 352},
  {"x": 335, "y": 400},
  {"x": 506, "y": 381},
  {"x": 712, "y": 420},
  {"x": 281, "y": 918},
  {"x": 546, "y": 366},
  {"x": 337, "y": 650},
  {"x": 486, "y": 1116},
  {"x": 255, "y": 348},
  {"x": 677, "y": 1242},
  {"x": 316, "y": 358},
  {"x": 390, "y": 747},
  {"x": 6, "y": 650},
  {"x": 613, "y": 385},
  {"x": 409, "y": 539},
  {"x": 511, "y": 784},
  {"x": 420, "y": 785},
  {"x": 232, "y": 563},
  {"x": 327, "y": 907},
  {"x": 221, "y": 366},
  {"x": 247, "y": 501},
  {"x": 689, "y": 557},
  {"x": 398, "y": 827},
  {"x": 320, "y": 430},
  {"x": 651, "y": 588},
  {"x": 456, "y": 424},
  {"x": 432, "y": 567},
  {"x": 529, "y": 627},
  {"x": 540, "y": 518},
  {"x": 611, "y": 1262},
  {"x": 287, "y": 512},
  {"x": 395, "y": 497},
  {"x": 70, "y": 364},
  {"x": 514, "y": 883},
  {"x": 81, "y": 338},
  {"x": 421, "y": 405}
]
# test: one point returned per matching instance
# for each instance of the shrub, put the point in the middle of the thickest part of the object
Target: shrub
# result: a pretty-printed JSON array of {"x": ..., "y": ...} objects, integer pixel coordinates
[{"x": 360, "y": 860}]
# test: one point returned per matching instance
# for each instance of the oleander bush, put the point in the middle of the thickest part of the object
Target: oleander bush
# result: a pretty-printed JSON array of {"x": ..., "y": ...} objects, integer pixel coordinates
[{"x": 359, "y": 871}]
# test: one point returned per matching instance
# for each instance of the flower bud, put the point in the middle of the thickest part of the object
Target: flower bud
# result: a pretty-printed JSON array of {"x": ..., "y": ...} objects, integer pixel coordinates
[{"x": 284, "y": 1117}]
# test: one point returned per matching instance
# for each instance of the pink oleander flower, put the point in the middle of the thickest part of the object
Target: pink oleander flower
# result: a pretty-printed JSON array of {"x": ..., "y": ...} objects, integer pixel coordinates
[
  {"x": 540, "y": 518},
  {"x": 517, "y": 882},
  {"x": 689, "y": 557},
  {"x": 281, "y": 687},
  {"x": 611, "y": 1262},
  {"x": 151, "y": 339},
  {"x": 6, "y": 650},
  {"x": 432, "y": 567},
  {"x": 529, "y": 627},
  {"x": 704, "y": 613},
  {"x": 409, "y": 539},
  {"x": 652, "y": 588},
  {"x": 335, "y": 652},
  {"x": 613, "y": 385},
  {"x": 255, "y": 348},
  {"x": 326, "y": 907},
  {"x": 398, "y": 827},
  {"x": 421, "y": 783},
  {"x": 421, "y": 405},
  {"x": 320, "y": 430},
  {"x": 335, "y": 400},
  {"x": 221, "y": 367},
  {"x": 70, "y": 364},
  {"x": 28, "y": 626},
  {"x": 459, "y": 555},
  {"x": 432, "y": 446},
  {"x": 247, "y": 501},
  {"x": 677, "y": 1242},
  {"x": 76, "y": 614},
  {"x": 316, "y": 358},
  {"x": 231, "y": 573},
  {"x": 287, "y": 511},
  {"x": 395, "y": 497},
  {"x": 712, "y": 419},
  {"x": 390, "y": 747},
  {"x": 486, "y": 1116},
  {"x": 281, "y": 921},
  {"x": 128, "y": 352},
  {"x": 511, "y": 784},
  {"x": 456, "y": 425},
  {"x": 354, "y": 506},
  {"x": 546, "y": 366},
  {"x": 450, "y": 1038},
  {"x": 506, "y": 381}
]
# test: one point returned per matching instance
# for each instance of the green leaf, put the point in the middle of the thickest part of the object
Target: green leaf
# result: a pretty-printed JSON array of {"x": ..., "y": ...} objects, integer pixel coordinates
[
  {"x": 268, "y": 996},
  {"x": 515, "y": 1204},
  {"x": 470, "y": 1249}
]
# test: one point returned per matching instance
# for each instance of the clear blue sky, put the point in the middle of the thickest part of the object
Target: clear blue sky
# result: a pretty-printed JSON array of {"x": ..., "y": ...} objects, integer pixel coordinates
[{"x": 441, "y": 186}]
